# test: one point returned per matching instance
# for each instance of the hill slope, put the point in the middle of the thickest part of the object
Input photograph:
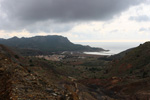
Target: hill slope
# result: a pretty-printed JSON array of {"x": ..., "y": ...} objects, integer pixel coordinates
[
  {"x": 135, "y": 62},
  {"x": 46, "y": 44},
  {"x": 130, "y": 75},
  {"x": 19, "y": 82},
  {"x": 38, "y": 79}
]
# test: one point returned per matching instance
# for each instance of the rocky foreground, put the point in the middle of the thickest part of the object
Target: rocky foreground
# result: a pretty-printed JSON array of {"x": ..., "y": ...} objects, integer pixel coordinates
[{"x": 19, "y": 80}]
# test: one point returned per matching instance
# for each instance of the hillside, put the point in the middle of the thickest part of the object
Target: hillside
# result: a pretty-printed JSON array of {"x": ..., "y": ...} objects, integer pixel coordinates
[
  {"x": 45, "y": 44},
  {"x": 18, "y": 81},
  {"x": 130, "y": 75},
  {"x": 39, "y": 79},
  {"x": 76, "y": 76},
  {"x": 134, "y": 62},
  {"x": 127, "y": 74}
]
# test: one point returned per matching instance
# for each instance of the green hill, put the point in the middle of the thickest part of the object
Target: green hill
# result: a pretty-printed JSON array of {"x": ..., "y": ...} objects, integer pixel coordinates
[{"x": 45, "y": 44}]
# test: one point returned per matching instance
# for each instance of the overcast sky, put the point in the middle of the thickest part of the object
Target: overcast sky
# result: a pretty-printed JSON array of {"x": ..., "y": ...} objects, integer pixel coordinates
[{"x": 79, "y": 20}]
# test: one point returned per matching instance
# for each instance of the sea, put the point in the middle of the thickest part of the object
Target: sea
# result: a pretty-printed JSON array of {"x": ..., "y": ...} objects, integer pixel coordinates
[{"x": 113, "y": 47}]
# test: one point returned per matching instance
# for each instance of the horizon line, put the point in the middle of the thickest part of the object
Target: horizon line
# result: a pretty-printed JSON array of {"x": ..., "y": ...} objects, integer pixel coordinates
[{"x": 110, "y": 41}]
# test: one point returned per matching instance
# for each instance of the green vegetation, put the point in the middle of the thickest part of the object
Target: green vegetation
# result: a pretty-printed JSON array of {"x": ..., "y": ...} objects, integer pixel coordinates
[{"x": 44, "y": 45}]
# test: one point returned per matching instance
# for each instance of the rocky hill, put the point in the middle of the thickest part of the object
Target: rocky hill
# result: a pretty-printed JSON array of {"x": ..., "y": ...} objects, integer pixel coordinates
[
  {"x": 19, "y": 82},
  {"x": 134, "y": 62},
  {"x": 130, "y": 75},
  {"x": 45, "y": 44},
  {"x": 24, "y": 78}
]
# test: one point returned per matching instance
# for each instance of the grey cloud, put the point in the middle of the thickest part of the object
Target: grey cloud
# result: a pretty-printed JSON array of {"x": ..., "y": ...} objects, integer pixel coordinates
[
  {"x": 142, "y": 18},
  {"x": 49, "y": 27},
  {"x": 27, "y": 14}
]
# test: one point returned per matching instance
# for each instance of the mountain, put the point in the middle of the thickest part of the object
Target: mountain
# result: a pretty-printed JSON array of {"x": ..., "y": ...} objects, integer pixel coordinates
[
  {"x": 130, "y": 75},
  {"x": 134, "y": 62},
  {"x": 46, "y": 44}
]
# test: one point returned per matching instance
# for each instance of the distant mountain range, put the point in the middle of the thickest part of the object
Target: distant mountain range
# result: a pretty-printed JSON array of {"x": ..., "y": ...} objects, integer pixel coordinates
[{"x": 45, "y": 44}]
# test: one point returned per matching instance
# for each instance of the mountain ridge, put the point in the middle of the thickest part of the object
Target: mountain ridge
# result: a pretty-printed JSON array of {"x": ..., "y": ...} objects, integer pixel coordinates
[{"x": 45, "y": 44}]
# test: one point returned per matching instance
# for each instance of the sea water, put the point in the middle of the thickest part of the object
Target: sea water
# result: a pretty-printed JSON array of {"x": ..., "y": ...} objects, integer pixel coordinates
[{"x": 113, "y": 47}]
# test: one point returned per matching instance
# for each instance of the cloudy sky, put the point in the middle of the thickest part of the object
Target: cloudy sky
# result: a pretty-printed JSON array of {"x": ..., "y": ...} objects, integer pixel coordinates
[{"x": 79, "y": 20}]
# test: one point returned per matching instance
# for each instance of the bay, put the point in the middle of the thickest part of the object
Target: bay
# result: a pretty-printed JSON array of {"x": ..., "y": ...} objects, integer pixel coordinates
[{"x": 113, "y": 47}]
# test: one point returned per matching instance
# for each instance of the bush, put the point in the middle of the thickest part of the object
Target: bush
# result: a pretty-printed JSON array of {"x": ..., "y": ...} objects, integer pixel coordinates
[{"x": 16, "y": 56}]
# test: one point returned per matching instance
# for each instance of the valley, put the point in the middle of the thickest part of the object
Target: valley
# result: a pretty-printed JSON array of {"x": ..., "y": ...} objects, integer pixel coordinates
[
  {"x": 75, "y": 76},
  {"x": 74, "y": 50}
]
